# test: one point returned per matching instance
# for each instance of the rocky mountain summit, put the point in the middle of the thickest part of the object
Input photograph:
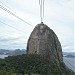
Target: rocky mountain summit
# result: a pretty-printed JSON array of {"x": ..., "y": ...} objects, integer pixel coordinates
[{"x": 45, "y": 42}]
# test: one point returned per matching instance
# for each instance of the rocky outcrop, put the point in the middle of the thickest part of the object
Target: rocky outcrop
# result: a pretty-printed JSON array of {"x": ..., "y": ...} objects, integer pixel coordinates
[{"x": 45, "y": 42}]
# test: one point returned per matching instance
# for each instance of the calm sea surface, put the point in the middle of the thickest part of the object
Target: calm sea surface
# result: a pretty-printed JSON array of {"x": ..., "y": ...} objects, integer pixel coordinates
[{"x": 70, "y": 62}]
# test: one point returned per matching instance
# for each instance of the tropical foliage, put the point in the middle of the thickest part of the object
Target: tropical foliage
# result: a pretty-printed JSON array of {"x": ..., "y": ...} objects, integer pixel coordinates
[{"x": 31, "y": 64}]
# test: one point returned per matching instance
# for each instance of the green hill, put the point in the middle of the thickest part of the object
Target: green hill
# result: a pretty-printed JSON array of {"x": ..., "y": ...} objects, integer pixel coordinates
[{"x": 32, "y": 64}]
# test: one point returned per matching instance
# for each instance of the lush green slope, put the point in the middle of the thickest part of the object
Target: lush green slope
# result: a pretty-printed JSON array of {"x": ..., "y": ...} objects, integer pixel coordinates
[{"x": 31, "y": 65}]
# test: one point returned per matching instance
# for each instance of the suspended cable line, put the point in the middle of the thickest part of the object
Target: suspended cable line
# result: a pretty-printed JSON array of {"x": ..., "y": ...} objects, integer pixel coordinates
[
  {"x": 12, "y": 27},
  {"x": 41, "y": 4},
  {"x": 5, "y": 9},
  {"x": 4, "y": 5},
  {"x": 70, "y": 64}
]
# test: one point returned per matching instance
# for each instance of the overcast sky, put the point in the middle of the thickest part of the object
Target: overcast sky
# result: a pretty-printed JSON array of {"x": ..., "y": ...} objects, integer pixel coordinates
[{"x": 59, "y": 16}]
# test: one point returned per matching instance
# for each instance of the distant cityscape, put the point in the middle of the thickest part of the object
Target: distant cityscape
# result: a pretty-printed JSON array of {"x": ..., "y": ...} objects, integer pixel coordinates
[
  {"x": 23, "y": 51},
  {"x": 12, "y": 52}
]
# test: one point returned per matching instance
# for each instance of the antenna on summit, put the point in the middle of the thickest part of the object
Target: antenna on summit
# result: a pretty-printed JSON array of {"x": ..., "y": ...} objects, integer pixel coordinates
[{"x": 41, "y": 3}]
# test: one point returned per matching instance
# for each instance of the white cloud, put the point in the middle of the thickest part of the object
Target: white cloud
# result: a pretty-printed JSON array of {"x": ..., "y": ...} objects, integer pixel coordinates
[
  {"x": 58, "y": 16},
  {"x": 12, "y": 41}
]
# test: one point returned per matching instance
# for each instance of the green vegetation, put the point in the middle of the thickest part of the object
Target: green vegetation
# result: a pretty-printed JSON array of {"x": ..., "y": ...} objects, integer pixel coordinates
[{"x": 31, "y": 64}]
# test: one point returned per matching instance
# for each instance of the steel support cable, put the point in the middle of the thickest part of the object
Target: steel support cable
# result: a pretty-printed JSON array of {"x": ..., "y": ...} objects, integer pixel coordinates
[
  {"x": 5, "y": 5},
  {"x": 41, "y": 4},
  {"x": 12, "y": 27},
  {"x": 5, "y": 9},
  {"x": 43, "y": 1},
  {"x": 70, "y": 64}
]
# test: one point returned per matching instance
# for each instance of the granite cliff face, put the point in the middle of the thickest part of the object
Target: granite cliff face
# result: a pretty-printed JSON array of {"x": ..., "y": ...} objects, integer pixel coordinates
[{"x": 44, "y": 41}]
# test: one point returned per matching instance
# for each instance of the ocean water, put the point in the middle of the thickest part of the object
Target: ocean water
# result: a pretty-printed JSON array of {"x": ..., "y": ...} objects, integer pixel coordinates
[{"x": 70, "y": 62}]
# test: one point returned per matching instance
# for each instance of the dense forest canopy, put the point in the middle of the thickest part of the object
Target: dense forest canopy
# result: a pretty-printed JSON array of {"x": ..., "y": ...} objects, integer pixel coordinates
[{"x": 31, "y": 64}]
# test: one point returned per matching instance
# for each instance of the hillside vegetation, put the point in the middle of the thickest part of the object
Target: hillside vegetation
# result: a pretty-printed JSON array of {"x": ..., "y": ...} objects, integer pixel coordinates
[{"x": 32, "y": 64}]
